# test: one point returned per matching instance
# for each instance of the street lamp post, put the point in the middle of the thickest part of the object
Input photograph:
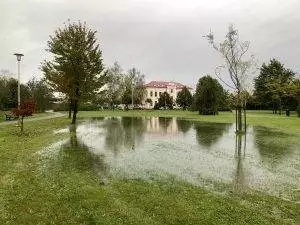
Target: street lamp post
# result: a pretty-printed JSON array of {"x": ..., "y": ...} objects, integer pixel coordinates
[
  {"x": 132, "y": 95},
  {"x": 19, "y": 56}
]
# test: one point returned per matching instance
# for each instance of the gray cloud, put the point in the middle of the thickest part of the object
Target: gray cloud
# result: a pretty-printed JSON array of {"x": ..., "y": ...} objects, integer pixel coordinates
[{"x": 162, "y": 38}]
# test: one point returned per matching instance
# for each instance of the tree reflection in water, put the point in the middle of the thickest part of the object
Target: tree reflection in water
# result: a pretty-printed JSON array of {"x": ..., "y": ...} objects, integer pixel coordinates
[
  {"x": 76, "y": 156},
  {"x": 208, "y": 134},
  {"x": 240, "y": 151},
  {"x": 184, "y": 125},
  {"x": 272, "y": 145},
  {"x": 164, "y": 122}
]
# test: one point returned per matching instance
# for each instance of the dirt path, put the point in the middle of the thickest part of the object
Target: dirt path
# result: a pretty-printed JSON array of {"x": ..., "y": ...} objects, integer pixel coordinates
[{"x": 54, "y": 115}]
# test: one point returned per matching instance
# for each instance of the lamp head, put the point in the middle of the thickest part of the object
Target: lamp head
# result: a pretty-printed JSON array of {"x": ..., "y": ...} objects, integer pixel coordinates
[{"x": 19, "y": 55}]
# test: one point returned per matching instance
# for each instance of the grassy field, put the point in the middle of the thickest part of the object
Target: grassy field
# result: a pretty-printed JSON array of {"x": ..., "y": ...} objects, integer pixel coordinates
[
  {"x": 36, "y": 115},
  {"x": 61, "y": 187}
]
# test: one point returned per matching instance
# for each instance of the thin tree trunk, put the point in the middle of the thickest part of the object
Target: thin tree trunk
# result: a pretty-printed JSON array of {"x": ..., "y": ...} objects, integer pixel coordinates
[
  {"x": 239, "y": 119},
  {"x": 236, "y": 120},
  {"x": 280, "y": 107},
  {"x": 75, "y": 110},
  {"x": 245, "y": 120},
  {"x": 70, "y": 110},
  {"x": 22, "y": 124}
]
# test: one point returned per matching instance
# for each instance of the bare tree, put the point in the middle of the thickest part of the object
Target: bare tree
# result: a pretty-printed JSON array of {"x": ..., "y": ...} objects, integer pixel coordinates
[{"x": 238, "y": 65}]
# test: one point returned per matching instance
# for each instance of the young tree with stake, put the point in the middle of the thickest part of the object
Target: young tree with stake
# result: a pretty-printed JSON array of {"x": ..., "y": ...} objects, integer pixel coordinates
[{"x": 234, "y": 53}]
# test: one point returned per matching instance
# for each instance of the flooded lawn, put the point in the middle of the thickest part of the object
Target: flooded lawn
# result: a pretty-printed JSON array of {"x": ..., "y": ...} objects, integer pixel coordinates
[{"x": 205, "y": 154}]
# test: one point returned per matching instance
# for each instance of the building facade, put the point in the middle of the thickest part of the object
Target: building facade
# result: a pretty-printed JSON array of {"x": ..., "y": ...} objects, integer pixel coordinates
[{"x": 155, "y": 89}]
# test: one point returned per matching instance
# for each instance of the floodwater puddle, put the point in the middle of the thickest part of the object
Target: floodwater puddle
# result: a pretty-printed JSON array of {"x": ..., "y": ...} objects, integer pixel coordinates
[{"x": 205, "y": 154}]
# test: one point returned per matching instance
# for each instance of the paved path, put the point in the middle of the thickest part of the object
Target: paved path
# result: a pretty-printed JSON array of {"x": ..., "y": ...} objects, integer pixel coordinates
[{"x": 54, "y": 115}]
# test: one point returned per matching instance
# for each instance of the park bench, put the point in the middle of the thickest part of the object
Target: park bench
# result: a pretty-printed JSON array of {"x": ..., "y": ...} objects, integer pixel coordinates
[{"x": 9, "y": 117}]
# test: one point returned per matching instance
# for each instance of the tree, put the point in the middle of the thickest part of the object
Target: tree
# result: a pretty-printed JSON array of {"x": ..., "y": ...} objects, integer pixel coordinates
[
  {"x": 134, "y": 91},
  {"x": 234, "y": 52},
  {"x": 115, "y": 85},
  {"x": 206, "y": 96},
  {"x": 76, "y": 69},
  {"x": 9, "y": 92},
  {"x": 164, "y": 101},
  {"x": 271, "y": 85},
  {"x": 41, "y": 94},
  {"x": 294, "y": 91},
  {"x": 184, "y": 98},
  {"x": 27, "y": 108}
]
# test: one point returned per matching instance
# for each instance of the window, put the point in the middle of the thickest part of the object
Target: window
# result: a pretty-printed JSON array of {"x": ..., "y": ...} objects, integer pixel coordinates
[
  {"x": 171, "y": 90},
  {"x": 155, "y": 94},
  {"x": 151, "y": 93},
  {"x": 159, "y": 94}
]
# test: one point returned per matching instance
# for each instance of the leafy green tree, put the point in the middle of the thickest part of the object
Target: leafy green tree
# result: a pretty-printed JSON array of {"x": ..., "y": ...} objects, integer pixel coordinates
[
  {"x": 127, "y": 96},
  {"x": 271, "y": 85},
  {"x": 134, "y": 91},
  {"x": 115, "y": 85},
  {"x": 41, "y": 94},
  {"x": 294, "y": 91},
  {"x": 77, "y": 61},
  {"x": 11, "y": 94},
  {"x": 208, "y": 93},
  {"x": 184, "y": 98},
  {"x": 164, "y": 101}
]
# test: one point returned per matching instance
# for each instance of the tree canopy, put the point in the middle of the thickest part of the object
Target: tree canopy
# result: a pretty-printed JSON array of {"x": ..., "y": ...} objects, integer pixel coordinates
[
  {"x": 76, "y": 68},
  {"x": 164, "y": 101},
  {"x": 208, "y": 92},
  {"x": 272, "y": 85},
  {"x": 133, "y": 87},
  {"x": 184, "y": 98}
]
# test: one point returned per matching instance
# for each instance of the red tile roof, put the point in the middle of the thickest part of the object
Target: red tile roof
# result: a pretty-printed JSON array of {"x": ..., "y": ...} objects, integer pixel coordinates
[{"x": 165, "y": 84}]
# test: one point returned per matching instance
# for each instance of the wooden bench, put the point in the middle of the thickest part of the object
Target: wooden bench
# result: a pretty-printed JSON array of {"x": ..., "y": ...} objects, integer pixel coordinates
[{"x": 9, "y": 117}]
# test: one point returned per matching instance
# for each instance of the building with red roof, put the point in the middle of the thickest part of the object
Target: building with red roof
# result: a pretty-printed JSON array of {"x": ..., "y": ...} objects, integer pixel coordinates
[{"x": 154, "y": 90}]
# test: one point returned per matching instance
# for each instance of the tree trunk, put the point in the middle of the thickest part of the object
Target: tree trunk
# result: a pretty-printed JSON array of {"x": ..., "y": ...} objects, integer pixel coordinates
[
  {"x": 239, "y": 119},
  {"x": 22, "y": 124},
  {"x": 245, "y": 120},
  {"x": 236, "y": 120},
  {"x": 70, "y": 110},
  {"x": 280, "y": 107},
  {"x": 75, "y": 110}
]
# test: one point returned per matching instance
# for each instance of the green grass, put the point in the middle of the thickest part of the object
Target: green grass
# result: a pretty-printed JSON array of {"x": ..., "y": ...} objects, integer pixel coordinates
[
  {"x": 35, "y": 115},
  {"x": 63, "y": 188}
]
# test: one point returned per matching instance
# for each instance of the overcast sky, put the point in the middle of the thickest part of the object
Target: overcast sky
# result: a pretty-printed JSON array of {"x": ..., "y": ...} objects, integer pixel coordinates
[{"x": 163, "y": 38}]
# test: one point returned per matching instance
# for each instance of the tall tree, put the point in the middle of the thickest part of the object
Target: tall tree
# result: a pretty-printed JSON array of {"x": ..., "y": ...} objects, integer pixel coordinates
[
  {"x": 271, "y": 84},
  {"x": 206, "y": 96},
  {"x": 234, "y": 53},
  {"x": 77, "y": 62},
  {"x": 134, "y": 91},
  {"x": 184, "y": 98},
  {"x": 115, "y": 85}
]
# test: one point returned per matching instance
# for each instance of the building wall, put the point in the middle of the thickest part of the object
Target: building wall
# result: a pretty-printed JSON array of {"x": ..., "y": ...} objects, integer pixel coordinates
[{"x": 154, "y": 94}]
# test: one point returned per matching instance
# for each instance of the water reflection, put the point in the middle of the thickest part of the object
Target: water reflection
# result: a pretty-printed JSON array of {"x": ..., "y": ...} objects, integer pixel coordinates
[
  {"x": 76, "y": 155},
  {"x": 209, "y": 133},
  {"x": 184, "y": 125},
  {"x": 272, "y": 145},
  {"x": 207, "y": 154},
  {"x": 240, "y": 153}
]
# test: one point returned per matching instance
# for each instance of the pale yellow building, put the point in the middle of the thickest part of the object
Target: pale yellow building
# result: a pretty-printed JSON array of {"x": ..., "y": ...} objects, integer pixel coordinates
[{"x": 155, "y": 89}]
